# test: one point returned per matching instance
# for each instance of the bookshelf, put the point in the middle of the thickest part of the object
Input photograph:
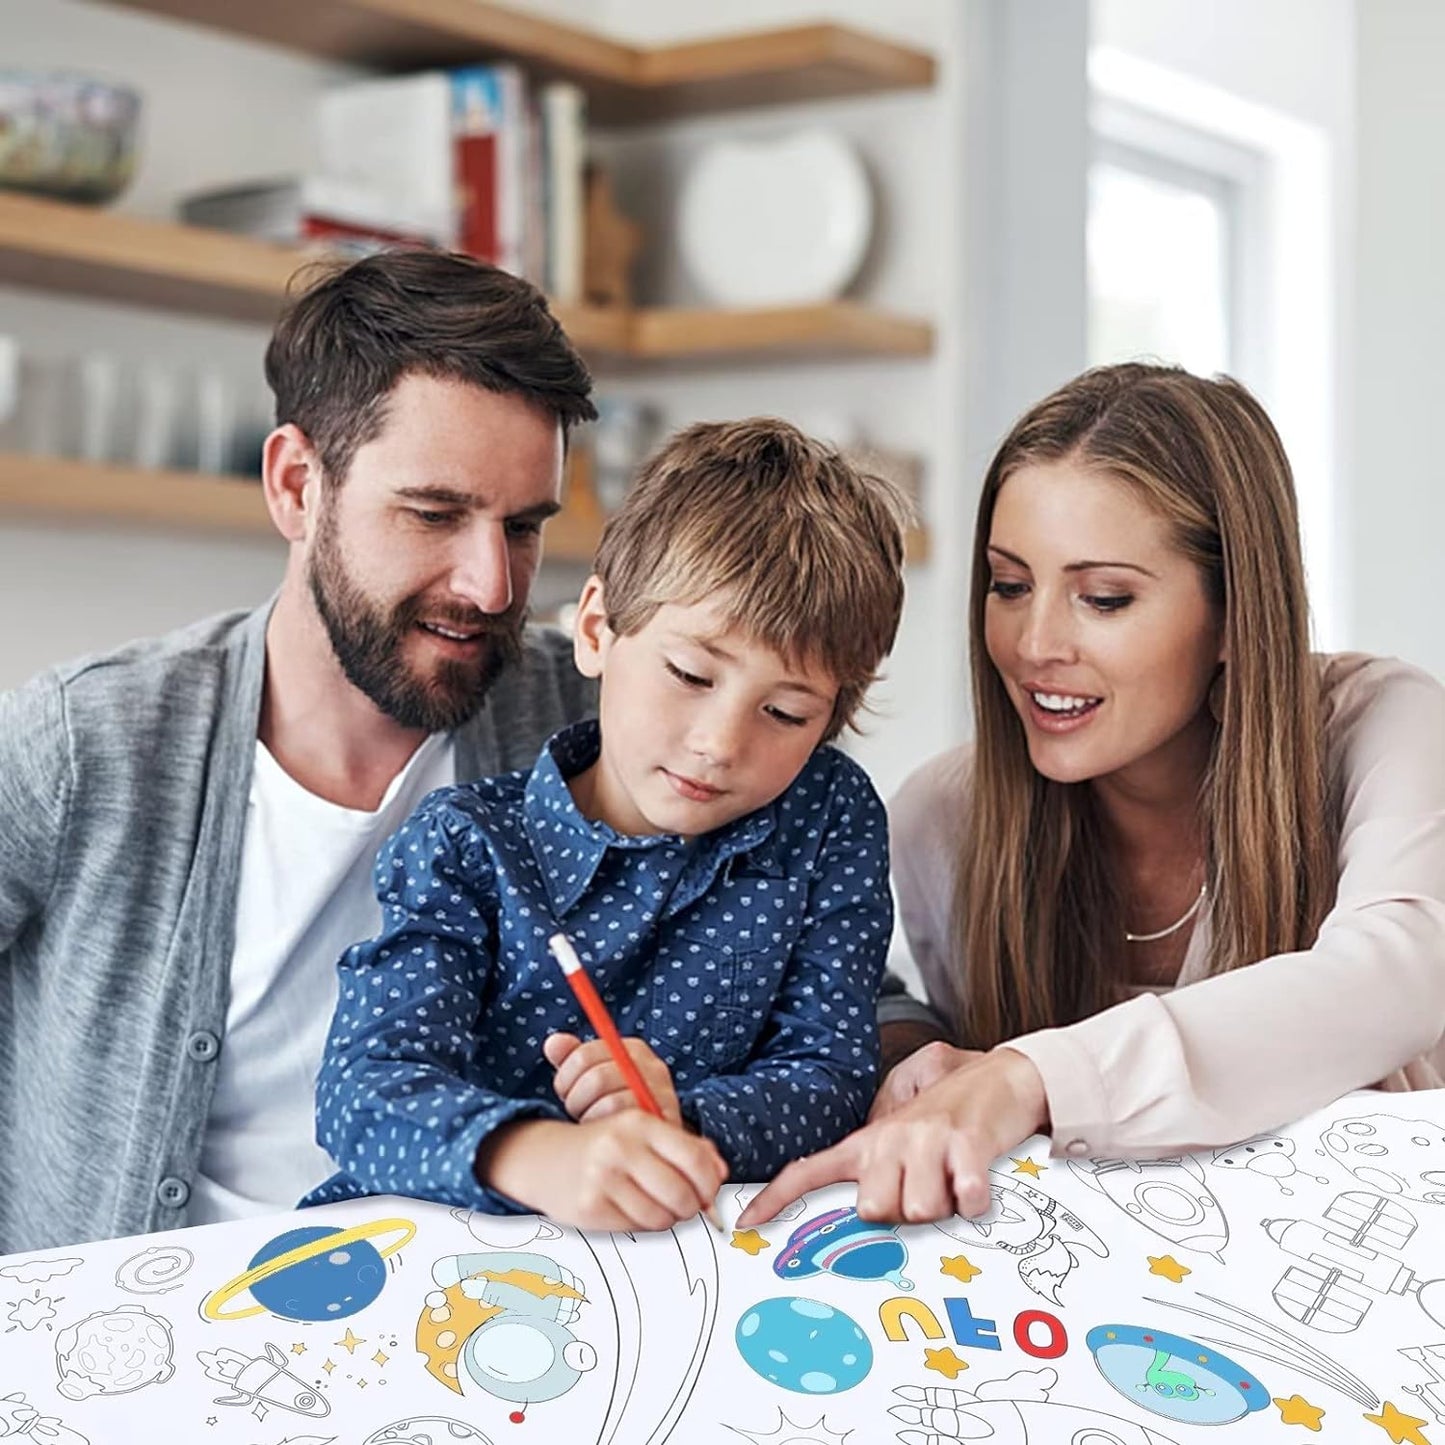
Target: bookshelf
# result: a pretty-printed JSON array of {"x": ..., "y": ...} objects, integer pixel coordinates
[
  {"x": 194, "y": 502},
  {"x": 87, "y": 252},
  {"x": 625, "y": 84}
]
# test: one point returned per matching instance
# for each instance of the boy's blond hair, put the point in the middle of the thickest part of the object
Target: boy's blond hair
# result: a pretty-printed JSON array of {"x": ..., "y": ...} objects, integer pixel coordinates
[{"x": 804, "y": 549}]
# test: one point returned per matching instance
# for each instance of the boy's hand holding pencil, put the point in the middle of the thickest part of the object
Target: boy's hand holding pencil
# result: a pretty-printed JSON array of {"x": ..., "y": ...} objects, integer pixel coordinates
[{"x": 591, "y": 1086}]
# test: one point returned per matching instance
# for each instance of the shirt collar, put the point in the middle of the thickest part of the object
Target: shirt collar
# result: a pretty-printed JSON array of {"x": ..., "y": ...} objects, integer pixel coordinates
[{"x": 570, "y": 848}]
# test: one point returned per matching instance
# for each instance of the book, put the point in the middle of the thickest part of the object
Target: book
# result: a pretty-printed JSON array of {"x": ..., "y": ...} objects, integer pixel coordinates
[
  {"x": 564, "y": 157},
  {"x": 393, "y": 136},
  {"x": 293, "y": 210}
]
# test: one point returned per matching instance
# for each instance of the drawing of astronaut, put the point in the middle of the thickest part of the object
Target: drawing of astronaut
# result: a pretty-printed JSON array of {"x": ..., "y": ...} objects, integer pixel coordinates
[
  {"x": 1025, "y": 1222},
  {"x": 501, "y": 1320}
]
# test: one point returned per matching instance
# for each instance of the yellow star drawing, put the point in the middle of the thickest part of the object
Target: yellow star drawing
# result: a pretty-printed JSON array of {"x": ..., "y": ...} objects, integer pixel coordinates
[
  {"x": 1027, "y": 1166},
  {"x": 750, "y": 1240},
  {"x": 958, "y": 1267},
  {"x": 329, "y": 1366},
  {"x": 1167, "y": 1266},
  {"x": 1296, "y": 1410},
  {"x": 1402, "y": 1429},
  {"x": 380, "y": 1357},
  {"x": 298, "y": 1349},
  {"x": 945, "y": 1362},
  {"x": 350, "y": 1343}
]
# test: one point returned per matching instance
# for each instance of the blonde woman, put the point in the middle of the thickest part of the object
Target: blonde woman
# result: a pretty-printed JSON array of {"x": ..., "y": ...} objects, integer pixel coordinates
[{"x": 1188, "y": 883}]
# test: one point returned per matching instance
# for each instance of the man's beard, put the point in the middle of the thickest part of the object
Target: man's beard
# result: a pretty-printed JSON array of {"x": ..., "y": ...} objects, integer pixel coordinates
[{"x": 370, "y": 644}]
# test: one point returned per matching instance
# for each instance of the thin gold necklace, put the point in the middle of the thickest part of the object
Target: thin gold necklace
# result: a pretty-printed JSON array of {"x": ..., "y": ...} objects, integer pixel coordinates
[{"x": 1176, "y": 925}]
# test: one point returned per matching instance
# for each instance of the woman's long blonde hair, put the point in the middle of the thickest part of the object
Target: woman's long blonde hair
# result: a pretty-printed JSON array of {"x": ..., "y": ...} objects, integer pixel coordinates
[{"x": 1036, "y": 916}]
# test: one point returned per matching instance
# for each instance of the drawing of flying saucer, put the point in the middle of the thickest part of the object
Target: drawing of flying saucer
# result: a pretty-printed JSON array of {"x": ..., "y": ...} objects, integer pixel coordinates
[
  {"x": 313, "y": 1273},
  {"x": 839, "y": 1243},
  {"x": 1175, "y": 1377}
]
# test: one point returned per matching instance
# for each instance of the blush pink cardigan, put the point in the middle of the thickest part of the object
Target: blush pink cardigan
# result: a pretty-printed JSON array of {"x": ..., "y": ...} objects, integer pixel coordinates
[{"x": 1213, "y": 1060}]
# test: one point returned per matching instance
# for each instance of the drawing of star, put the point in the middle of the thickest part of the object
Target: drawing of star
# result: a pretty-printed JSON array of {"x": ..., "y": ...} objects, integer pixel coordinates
[
  {"x": 210, "y": 1419},
  {"x": 1167, "y": 1267},
  {"x": 350, "y": 1343},
  {"x": 298, "y": 1349},
  {"x": 958, "y": 1267},
  {"x": 1027, "y": 1166},
  {"x": 1402, "y": 1429},
  {"x": 750, "y": 1240},
  {"x": 945, "y": 1362},
  {"x": 1298, "y": 1411},
  {"x": 328, "y": 1366},
  {"x": 380, "y": 1357}
]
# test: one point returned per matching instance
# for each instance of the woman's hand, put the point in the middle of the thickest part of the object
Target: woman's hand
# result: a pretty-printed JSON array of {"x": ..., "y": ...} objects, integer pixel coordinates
[
  {"x": 929, "y": 1157},
  {"x": 916, "y": 1073},
  {"x": 591, "y": 1086}
]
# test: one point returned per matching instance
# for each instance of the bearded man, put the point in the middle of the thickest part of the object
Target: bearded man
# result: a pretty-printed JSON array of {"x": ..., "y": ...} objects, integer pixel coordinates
[{"x": 189, "y": 822}]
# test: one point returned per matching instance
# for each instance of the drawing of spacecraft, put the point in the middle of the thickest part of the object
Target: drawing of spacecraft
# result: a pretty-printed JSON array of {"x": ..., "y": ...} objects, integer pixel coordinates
[
  {"x": 1327, "y": 1292},
  {"x": 1169, "y": 1196},
  {"x": 839, "y": 1243},
  {"x": 262, "y": 1381},
  {"x": 1015, "y": 1411}
]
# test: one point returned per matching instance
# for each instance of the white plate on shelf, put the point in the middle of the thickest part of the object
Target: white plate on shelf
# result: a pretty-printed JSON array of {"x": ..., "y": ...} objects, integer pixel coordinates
[{"x": 777, "y": 222}]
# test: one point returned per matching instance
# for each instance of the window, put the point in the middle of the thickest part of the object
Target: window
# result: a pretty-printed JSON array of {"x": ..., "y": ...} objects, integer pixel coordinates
[{"x": 1161, "y": 261}]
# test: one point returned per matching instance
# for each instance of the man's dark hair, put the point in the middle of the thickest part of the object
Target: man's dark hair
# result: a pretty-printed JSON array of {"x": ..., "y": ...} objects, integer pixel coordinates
[{"x": 345, "y": 341}]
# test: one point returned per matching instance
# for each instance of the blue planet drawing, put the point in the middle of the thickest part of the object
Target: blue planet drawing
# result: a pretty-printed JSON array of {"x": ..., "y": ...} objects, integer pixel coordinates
[
  {"x": 1174, "y": 1376},
  {"x": 804, "y": 1345},
  {"x": 841, "y": 1244},
  {"x": 317, "y": 1272}
]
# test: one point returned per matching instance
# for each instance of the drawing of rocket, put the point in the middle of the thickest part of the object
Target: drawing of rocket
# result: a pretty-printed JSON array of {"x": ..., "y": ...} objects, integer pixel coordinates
[
  {"x": 262, "y": 1381},
  {"x": 1169, "y": 1196}
]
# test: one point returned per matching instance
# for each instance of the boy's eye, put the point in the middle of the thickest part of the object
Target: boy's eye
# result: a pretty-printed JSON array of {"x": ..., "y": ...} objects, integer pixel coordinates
[
  {"x": 787, "y": 718},
  {"x": 689, "y": 679},
  {"x": 1009, "y": 591},
  {"x": 1116, "y": 603}
]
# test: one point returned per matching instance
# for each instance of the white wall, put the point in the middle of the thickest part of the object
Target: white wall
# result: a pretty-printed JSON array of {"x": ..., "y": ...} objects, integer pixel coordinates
[{"x": 1397, "y": 516}]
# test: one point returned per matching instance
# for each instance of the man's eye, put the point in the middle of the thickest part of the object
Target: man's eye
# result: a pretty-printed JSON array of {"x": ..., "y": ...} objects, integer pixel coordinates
[
  {"x": 525, "y": 527},
  {"x": 689, "y": 679},
  {"x": 432, "y": 519}
]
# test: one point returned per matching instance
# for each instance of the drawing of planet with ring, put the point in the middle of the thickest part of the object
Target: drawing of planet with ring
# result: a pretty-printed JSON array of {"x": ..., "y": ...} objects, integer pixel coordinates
[{"x": 313, "y": 1273}]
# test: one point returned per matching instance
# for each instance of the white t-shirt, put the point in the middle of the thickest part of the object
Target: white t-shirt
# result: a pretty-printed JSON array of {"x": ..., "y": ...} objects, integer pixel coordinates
[{"x": 305, "y": 896}]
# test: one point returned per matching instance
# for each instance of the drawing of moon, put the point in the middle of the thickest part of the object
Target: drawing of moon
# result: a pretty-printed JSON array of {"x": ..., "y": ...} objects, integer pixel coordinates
[
  {"x": 313, "y": 1273},
  {"x": 427, "y": 1430},
  {"x": 1175, "y": 1377}
]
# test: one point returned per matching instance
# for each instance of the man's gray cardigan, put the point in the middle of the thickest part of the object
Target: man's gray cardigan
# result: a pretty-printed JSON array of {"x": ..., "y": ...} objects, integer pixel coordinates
[{"x": 123, "y": 789}]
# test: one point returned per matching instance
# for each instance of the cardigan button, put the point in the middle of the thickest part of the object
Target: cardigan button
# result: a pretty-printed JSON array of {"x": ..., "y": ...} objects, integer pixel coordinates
[
  {"x": 1077, "y": 1148},
  {"x": 173, "y": 1192},
  {"x": 203, "y": 1046}
]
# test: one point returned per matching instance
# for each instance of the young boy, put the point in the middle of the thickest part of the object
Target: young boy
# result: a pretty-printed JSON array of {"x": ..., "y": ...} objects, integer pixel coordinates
[{"x": 723, "y": 875}]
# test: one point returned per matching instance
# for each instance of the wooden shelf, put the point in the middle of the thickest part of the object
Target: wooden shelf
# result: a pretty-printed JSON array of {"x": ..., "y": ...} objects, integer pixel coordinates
[
  {"x": 626, "y": 84},
  {"x": 90, "y": 252},
  {"x": 60, "y": 487}
]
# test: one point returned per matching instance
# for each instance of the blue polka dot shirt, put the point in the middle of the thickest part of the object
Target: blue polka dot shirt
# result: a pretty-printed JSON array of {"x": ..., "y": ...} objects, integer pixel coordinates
[{"x": 749, "y": 959}]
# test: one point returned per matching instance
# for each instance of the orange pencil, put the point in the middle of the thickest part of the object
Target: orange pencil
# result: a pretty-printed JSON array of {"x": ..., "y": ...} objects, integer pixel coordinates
[{"x": 561, "y": 949}]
